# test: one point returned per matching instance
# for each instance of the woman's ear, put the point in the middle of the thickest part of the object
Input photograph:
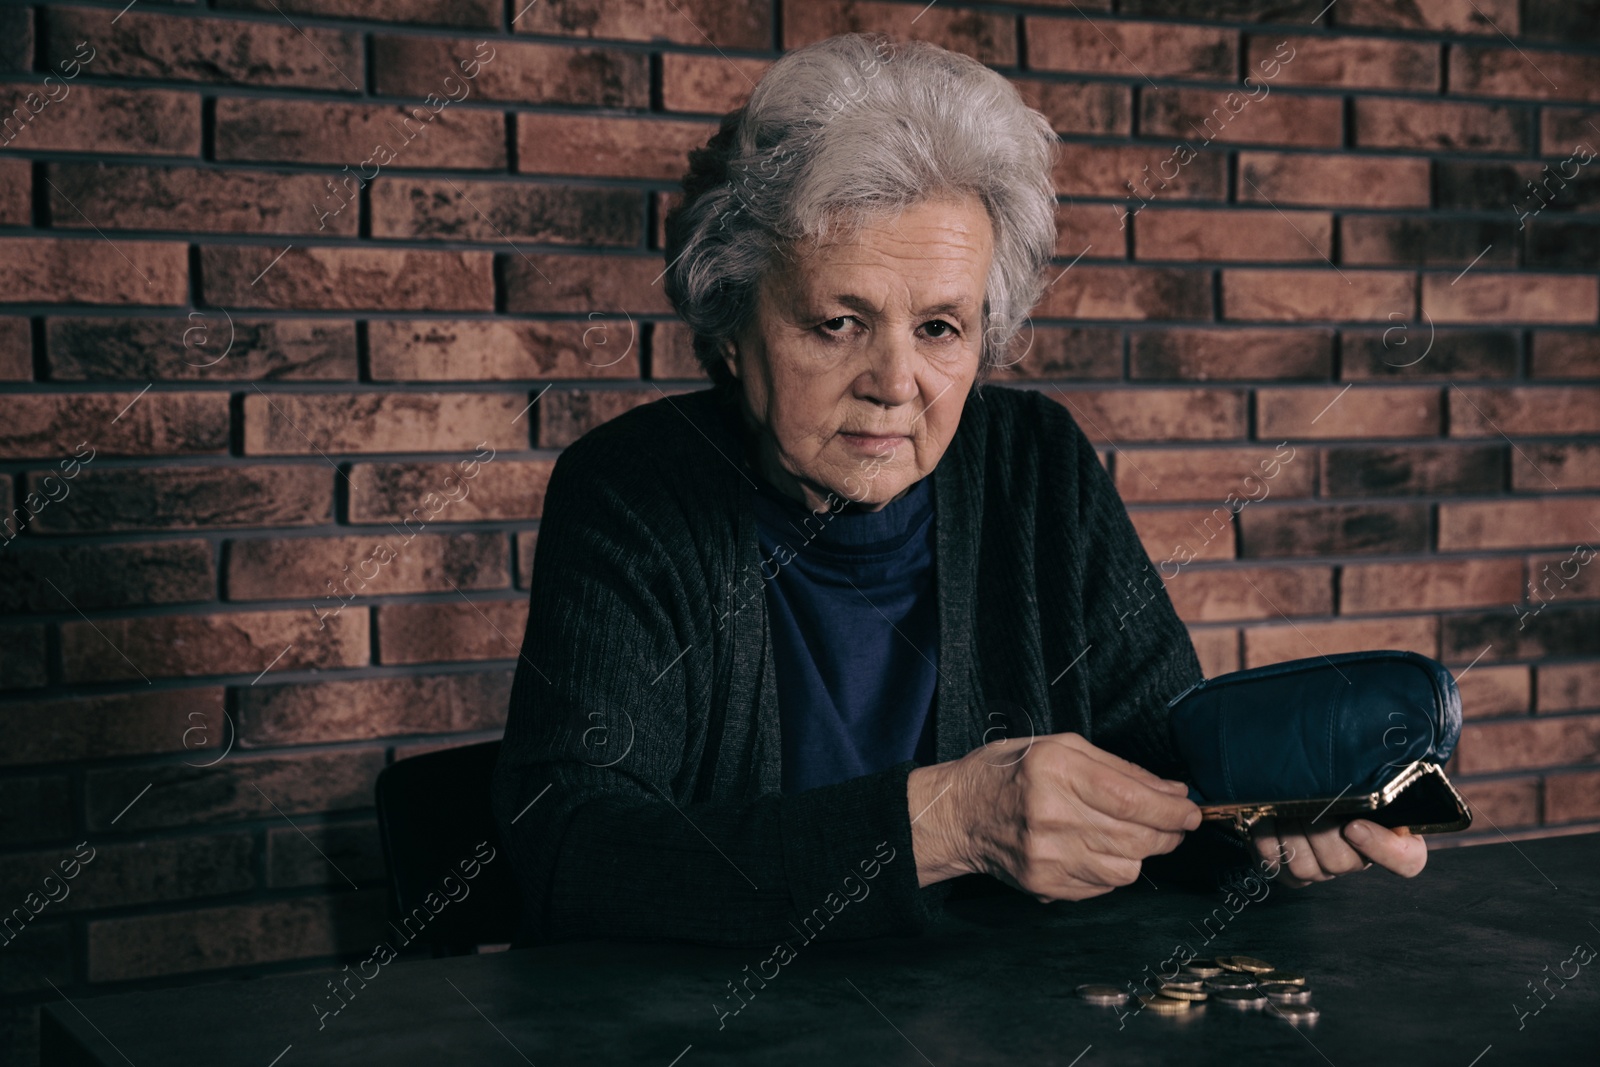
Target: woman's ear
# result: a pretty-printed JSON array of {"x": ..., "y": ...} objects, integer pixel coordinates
[{"x": 730, "y": 358}]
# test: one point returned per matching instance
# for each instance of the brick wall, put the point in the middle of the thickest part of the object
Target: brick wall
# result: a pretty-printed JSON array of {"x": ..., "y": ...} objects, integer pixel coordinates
[{"x": 1336, "y": 327}]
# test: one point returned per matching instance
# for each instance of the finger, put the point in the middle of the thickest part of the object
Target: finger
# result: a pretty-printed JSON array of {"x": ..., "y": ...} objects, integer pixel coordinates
[
  {"x": 1109, "y": 836},
  {"x": 1079, "y": 744},
  {"x": 1334, "y": 854},
  {"x": 1129, "y": 800},
  {"x": 1303, "y": 859},
  {"x": 1404, "y": 854},
  {"x": 1274, "y": 855}
]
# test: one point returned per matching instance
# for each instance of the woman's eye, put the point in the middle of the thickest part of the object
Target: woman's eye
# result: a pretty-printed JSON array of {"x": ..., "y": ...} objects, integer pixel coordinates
[{"x": 941, "y": 324}]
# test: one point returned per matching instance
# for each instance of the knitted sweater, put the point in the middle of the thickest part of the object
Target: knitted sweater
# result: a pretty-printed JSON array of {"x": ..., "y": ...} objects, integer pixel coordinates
[{"x": 638, "y": 786}]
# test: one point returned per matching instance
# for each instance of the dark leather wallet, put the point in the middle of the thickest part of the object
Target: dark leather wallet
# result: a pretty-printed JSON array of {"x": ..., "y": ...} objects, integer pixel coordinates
[{"x": 1329, "y": 737}]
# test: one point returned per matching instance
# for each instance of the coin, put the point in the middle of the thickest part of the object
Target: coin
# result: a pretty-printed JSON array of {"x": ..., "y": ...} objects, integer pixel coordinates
[
  {"x": 1243, "y": 999},
  {"x": 1164, "y": 1005},
  {"x": 1205, "y": 968},
  {"x": 1251, "y": 964},
  {"x": 1102, "y": 994},
  {"x": 1184, "y": 994},
  {"x": 1299, "y": 1014},
  {"x": 1190, "y": 983},
  {"x": 1227, "y": 964},
  {"x": 1230, "y": 981},
  {"x": 1285, "y": 993},
  {"x": 1288, "y": 977}
]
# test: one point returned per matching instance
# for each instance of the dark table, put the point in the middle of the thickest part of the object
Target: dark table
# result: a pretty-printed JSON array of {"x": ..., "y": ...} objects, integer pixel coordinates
[{"x": 1429, "y": 971}]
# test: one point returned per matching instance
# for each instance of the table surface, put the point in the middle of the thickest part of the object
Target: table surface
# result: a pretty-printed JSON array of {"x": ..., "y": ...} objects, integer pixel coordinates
[{"x": 1435, "y": 970}]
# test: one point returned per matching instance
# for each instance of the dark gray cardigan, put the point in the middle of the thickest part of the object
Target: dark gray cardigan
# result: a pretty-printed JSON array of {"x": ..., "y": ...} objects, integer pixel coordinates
[{"x": 637, "y": 791}]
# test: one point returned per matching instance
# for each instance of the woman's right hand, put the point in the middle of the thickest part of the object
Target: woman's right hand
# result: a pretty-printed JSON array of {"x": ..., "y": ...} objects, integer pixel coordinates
[{"x": 1052, "y": 816}]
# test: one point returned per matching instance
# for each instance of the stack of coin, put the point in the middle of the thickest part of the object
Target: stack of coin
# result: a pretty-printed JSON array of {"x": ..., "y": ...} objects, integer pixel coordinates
[{"x": 1240, "y": 983}]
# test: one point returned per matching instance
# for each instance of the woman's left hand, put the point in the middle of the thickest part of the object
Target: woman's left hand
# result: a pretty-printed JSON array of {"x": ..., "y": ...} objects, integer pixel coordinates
[{"x": 1316, "y": 855}]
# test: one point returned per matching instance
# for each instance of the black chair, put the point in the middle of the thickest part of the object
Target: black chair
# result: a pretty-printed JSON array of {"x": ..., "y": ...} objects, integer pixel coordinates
[{"x": 433, "y": 814}]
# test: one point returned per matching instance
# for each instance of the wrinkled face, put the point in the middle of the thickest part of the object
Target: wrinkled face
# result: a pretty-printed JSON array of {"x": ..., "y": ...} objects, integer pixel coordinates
[{"x": 861, "y": 353}]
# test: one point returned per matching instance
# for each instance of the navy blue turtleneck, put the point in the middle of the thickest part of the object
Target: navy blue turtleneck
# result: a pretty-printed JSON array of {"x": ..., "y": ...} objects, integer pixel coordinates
[{"x": 855, "y": 633}]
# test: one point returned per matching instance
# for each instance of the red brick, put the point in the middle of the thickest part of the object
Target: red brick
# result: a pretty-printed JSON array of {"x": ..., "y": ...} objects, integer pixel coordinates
[
  {"x": 144, "y": 872},
  {"x": 1562, "y": 130},
  {"x": 1329, "y": 412},
  {"x": 212, "y": 344},
  {"x": 527, "y": 544},
  {"x": 35, "y": 808},
  {"x": 1154, "y": 414},
  {"x": 1560, "y": 631},
  {"x": 1488, "y": 692},
  {"x": 1444, "y": 584},
  {"x": 1085, "y": 228},
  {"x": 358, "y": 136},
  {"x": 304, "y": 424},
  {"x": 381, "y": 564},
  {"x": 35, "y": 579},
  {"x": 1238, "y": 593},
  {"x": 347, "y": 278},
  {"x": 105, "y": 121},
  {"x": 394, "y": 492},
  {"x": 1230, "y": 354},
  {"x": 1412, "y": 350},
  {"x": 16, "y": 40},
  {"x": 601, "y": 146},
  {"x": 1217, "y": 649},
  {"x": 1382, "y": 123},
  {"x": 224, "y": 51},
  {"x": 1233, "y": 10},
  {"x": 320, "y": 712},
  {"x": 1046, "y": 352},
  {"x": 48, "y": 270},
  {"x": 1451, "y": 16},
  {"x": 16, "y": 192},
  {"x": 22, "y": 653},
  {"x": 706, "y": 83},
  {"x": 990, "y": 39},
  {"x": 1506, "y": 804},
  {"x": 1262, "y": 236},
  {"x": 247, "y": 642},
  {"x": 134, "y": 724},
  {"x": 567, "y": 414},
  {"x": 1575, "y": 466},
  {"x": 1562, "y": 244},
  {"x": 512, "y": 71},
  {"x": 1209, "y": 475},
  {"x": 1560, "y": 22},
  {"x": 1333, "y": 529},
  {"x": 187, "y": 498},
  {"x": 1385, "y": 240},
  {"x": 480, "y": 13},
  {"x": 1080, "y": 107},
  {"x": 672, "y": 352},
  {"x": 479, "y": 350},
  {"x": 1510, "y": 72},
  {"x": 1552, "y": 522},
  {"x": 239, "y": 787},
  {"x": 140, "y": 197},
  {"x": 38, "y": 425},
  {"x": 1409, "y": 470},
  {"x": 16, "y": 349},
  {"x": 324, "y": 855},
  {"x": 451, "y": 631},
  {"x": 183, "y": 942},
  {"x": 505, "y": 212},
  {"x": 1298, "y": 295},
  {"x": 1085, "y": 292},
  {"x": 717, "y": 23},
  {"x": 1564, "y": 355},
  {"x": 1130, "y": 49},
  {"x": 1277, "y": 643},
  {"x": 1489, "y": 411},
  {"x": 1482, "y": 186},
  {"x": 1569, "y": 687},
  {"x": 1571, "y": 797},
  {"x": 1311, "y": 180},
  {"x": 1490, "y": 747},
  {"x": 1173, "y": 536},
  {"x": 604, "y": 285},
  {"x": 1129, "y": 170},
  {"x": 1351, "y": 62},
  {"x": 1200, "y": 116}
]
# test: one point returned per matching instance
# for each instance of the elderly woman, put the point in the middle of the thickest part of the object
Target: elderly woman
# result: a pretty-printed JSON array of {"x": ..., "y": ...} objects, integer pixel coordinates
[{"x": 809, "y": 644}]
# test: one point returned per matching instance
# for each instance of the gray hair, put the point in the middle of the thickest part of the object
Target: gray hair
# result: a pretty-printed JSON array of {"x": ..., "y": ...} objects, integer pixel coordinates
[{"x": 837, "y": 133}]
